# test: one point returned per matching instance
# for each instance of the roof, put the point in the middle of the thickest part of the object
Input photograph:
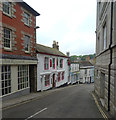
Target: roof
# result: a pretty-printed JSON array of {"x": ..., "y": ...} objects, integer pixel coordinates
[
  {"x": 27, "y": 7},
  {"x": 84, "y": 63},
  {"x": 48, "y": 50}
]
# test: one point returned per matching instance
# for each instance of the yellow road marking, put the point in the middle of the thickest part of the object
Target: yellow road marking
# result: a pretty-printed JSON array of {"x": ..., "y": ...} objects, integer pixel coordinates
[{"x": 101, "y": 111}]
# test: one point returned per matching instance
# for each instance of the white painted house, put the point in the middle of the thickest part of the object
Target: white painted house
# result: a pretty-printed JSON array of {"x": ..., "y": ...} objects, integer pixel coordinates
[
  {"x": 86, "y": 72},
  {"x": 52, "y": 67},
  {"x": 74, "y": 72}
]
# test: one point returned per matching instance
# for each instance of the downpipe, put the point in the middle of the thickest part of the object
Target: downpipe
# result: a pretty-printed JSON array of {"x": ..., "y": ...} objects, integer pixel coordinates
[{"x": 110, "y": 48}]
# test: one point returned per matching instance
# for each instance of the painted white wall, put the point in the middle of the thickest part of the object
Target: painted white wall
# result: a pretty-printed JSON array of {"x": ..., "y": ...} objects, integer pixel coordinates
[
  {"x": 41, "y": 72},
  {"x": 74, "y": 67},
  {"x": 89, "y": 73}
]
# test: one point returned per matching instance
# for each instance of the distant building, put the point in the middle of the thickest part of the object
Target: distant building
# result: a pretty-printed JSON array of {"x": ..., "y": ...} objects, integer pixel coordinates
[
  {"x": 52, "y": 68},
  {"x": 105, "y": 66},
  {"x": 74, "y": 72},
  {"x": 86, "y": 74},
  {"x": 17, "y": 49}
]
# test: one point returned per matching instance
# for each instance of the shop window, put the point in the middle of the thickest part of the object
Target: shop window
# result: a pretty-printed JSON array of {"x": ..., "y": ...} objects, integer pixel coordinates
[
  {"x": 5, "y": 79},
  {"x": 23, "y": 77}
]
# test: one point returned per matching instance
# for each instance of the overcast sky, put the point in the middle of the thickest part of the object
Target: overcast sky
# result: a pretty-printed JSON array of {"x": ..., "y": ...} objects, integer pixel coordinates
[{"x": 72, "y": 23}]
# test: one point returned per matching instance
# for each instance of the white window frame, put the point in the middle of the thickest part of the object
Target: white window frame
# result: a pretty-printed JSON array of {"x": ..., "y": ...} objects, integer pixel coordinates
[
  {"x": 27, "y": 38},
  {"x": 5, "y": 37},
  {"x": 9, "y": 8},
  {"x": 26, "y": 18},
  {"x": 23, "y": 77},
  {"x": 5, "y": 80}
]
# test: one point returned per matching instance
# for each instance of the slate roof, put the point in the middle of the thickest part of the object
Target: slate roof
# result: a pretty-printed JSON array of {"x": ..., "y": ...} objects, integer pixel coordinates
[
  {"x": 48, "y": 50},
  {"x": 84, "y": 63},
  {"x": 26, "y": 6}
]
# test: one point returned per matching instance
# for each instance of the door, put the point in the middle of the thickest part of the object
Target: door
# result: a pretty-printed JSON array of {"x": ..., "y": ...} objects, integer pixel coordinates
[
  {"x": 102, "y": 85},
  {"x": 53, "y": 83}
]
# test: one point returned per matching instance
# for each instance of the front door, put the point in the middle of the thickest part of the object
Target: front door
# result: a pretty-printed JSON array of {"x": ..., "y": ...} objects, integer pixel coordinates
[{"x": 53, "y": 84}]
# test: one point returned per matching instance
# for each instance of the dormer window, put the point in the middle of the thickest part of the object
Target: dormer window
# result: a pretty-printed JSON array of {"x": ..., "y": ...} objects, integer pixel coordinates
[
  {"x": 7, "y": 8},
  {"x": 26, "y": 18}
]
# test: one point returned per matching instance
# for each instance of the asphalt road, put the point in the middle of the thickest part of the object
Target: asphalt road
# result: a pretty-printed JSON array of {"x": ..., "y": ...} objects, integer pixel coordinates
[{"x": 73, "y": 101}]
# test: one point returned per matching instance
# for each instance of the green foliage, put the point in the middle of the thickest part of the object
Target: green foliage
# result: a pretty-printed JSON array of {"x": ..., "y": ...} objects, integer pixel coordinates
[{"x": 81, "y": 57}]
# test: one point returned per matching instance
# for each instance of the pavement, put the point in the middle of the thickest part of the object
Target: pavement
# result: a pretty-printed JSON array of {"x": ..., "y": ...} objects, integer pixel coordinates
[
  {"x": 26, "y": 98},
  {"x": 34, "y": 96}
]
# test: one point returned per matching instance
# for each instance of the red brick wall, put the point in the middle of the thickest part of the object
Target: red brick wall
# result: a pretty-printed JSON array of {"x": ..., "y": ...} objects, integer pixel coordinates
[{"x": 19, "y": 26}]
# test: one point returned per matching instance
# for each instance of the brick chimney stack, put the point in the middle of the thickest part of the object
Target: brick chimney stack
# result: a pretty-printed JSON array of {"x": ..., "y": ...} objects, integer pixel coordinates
[{"x": 55, "y": 45}]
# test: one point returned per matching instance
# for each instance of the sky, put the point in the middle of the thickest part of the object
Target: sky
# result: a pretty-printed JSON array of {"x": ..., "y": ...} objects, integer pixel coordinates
[{"x": 71, "y": 23}]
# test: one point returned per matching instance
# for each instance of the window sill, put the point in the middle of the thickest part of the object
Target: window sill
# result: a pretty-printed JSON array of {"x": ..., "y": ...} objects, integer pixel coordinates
[
  {"x": 47, "y": 85},
  {"x": 8, "y": 15},
  {"x": 27, "y": 52},
  {"x": 27, "y": 25},
  {"x": 8, "y": 49}
]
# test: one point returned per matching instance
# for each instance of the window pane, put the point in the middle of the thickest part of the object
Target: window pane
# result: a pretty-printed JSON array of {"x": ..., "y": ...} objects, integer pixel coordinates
[
  {"x": 26, "y": 18},
  {"x": 7, "y": 37},
  {"x": 26, "y": 42},
  {"x": 7, "y": 7}
]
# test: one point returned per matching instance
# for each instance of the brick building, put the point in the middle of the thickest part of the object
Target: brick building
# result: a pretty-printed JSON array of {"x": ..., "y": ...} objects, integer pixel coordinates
[
  {"x": 17, "y": 49},
  {"x": 105, "y": 66}
]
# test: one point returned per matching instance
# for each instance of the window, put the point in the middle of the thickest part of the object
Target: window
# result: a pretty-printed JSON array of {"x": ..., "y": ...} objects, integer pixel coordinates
[
  {"x": 57, "y": 62},
  {"x": 50, "y": 62},
  {"x": 26, "y": 18},
  {"x": 62, "y": 75},
  {"x": 7, "y": 8},
  {"x": 5, "y": 79},
  {"x": 85, "y": 71},
  {"x": 53, "y": 63},
  {"x": 47, "y": 80},
  {"x": 104, "y": 36},
  {"x": 46, "y": 63},
  {"x": 26, "y": 43},
  {"x": 98, "y": 45},
  {"x": 59, "y": 77},
  {"x": 61, "y": 63},
  {"x": 7, "y": 38},
  {"x": 23, "y": 77}
]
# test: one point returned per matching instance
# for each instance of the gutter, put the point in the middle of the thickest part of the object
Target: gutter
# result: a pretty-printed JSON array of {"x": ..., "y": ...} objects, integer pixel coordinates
[{"x": 110, "y": 48}]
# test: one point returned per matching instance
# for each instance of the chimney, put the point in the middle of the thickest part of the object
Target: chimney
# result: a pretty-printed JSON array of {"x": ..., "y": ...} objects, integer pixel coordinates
[
  {"x": 68, "y": 54},
  {"x": 55, "y": 45}
]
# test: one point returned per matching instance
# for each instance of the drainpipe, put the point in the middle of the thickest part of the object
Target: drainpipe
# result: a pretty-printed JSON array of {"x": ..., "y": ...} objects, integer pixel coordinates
[{"x": 110, "y": 48}]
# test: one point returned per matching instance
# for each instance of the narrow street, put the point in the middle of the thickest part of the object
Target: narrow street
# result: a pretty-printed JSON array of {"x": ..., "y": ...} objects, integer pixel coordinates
[{"x": 73, "y": 101}]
